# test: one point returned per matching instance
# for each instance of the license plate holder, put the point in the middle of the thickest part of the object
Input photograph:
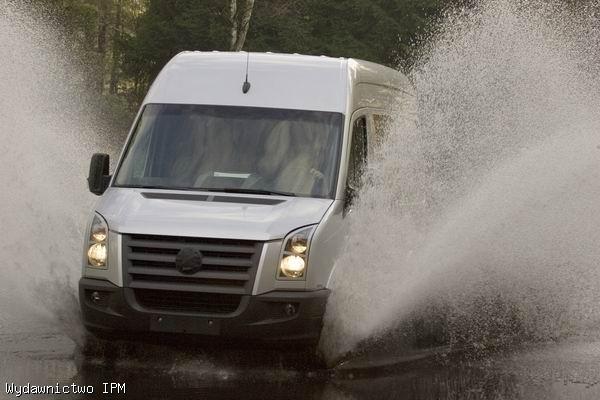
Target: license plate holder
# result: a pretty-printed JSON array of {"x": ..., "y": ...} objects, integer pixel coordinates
[{"x": 181, "y": 324}]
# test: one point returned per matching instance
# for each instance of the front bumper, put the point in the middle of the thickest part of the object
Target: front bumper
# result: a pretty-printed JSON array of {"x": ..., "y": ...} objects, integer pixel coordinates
[{"x": 265, "y": 317}]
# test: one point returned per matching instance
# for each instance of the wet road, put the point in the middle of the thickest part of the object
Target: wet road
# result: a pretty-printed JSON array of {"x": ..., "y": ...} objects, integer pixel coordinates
[{"x": 570, "y": 370}]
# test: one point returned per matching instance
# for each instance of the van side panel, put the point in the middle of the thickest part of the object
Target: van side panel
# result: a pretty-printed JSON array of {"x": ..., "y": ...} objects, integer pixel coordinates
[{"x": 326, "y": 245}]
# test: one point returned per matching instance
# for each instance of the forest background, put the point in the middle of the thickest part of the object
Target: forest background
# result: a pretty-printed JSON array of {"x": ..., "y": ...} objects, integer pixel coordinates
[{"x": 123, "y": 44}]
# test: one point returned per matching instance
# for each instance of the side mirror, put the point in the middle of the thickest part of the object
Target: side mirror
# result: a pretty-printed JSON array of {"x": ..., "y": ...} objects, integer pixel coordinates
[{"x": 99, "y": 178}]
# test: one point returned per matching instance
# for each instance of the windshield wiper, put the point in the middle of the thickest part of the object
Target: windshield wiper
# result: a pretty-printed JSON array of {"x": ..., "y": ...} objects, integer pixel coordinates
[{"x": 248, "y": 191}]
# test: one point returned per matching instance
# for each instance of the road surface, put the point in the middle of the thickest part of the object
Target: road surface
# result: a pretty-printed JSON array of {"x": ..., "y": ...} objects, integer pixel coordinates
[{"x": 570, "y": 370}]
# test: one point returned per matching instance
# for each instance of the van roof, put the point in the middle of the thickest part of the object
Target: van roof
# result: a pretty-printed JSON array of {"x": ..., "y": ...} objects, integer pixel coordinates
[{"x": 289, "y": 81}]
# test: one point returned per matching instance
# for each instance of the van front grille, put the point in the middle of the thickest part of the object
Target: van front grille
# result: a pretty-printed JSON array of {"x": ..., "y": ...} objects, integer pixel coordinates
[
  {"x": 227, "y": 267},
  {"x": 204, "y": 303}
]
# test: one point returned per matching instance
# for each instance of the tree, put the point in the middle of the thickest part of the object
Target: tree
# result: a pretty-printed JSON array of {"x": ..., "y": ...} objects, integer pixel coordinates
[
  {"x": 166, "y": 28},
  {"x": 125, "y": 43},
  {"x": 103, "y": 11},
  {"x": 382, "y": 31},
  {"x": 116, "y": 41},
  {"x": 240, "y": 22}
]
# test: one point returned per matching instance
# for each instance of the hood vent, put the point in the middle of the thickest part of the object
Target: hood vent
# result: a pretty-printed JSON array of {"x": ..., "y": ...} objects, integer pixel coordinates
[{"x": 212, "y": 198}]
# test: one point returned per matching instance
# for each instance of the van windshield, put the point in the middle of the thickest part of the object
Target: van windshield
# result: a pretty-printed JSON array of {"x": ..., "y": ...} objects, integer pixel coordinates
[{"x": 237, "y": 149}]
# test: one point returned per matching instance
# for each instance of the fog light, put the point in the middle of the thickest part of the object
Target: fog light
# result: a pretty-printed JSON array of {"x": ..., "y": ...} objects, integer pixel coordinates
[
  {"x": 290, "y": 309},
  {"x": 96, "y": 298}
]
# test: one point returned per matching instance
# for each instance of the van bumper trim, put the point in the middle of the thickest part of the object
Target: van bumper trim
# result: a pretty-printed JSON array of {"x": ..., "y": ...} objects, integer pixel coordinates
[{"x": 277, "y": 315}]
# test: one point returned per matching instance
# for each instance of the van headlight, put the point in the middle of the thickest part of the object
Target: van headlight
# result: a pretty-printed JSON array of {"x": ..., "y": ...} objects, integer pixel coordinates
[
  {"x": 294, "y": 257},
  {"x": 97, "y": 247}
]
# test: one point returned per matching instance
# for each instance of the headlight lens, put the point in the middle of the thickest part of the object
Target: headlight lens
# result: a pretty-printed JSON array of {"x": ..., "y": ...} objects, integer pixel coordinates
[
  {"x": 97, "y": 252},
  {"x": 294, "y": 257},
  {"x": 97, "y": 255},
  {"x": 299, "y": 244},
  {"x": 293, "y": 266}
]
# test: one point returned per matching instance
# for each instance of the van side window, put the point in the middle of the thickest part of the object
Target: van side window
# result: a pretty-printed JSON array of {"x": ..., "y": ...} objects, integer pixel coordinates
[{"x": 358, "y": 153}]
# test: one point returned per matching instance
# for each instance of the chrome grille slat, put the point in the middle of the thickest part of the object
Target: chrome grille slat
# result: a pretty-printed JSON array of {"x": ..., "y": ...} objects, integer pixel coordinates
[
  {"x": 186, "y": 287},
  {"x": 234, "y": 276},
  {"x": 167, "y": 258},
  {"x": 188, "y": 280},
  {"x": 185, "y": 239},
  {"x": 158, "y": 264},
  {"x": 202, "y": 247}
]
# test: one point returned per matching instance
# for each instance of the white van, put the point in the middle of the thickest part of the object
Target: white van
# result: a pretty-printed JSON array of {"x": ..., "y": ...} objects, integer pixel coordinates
[{"x": 226, "y": 210}]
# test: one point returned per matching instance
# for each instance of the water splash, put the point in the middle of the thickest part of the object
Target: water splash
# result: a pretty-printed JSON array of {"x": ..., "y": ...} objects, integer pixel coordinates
[
  {"x": 483, "y": 218},
  {"x": 49, "y": 126}
]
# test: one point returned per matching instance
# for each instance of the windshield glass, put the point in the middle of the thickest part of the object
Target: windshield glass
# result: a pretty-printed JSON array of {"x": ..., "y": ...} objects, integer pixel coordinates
[{"x": 222, "y": 148}]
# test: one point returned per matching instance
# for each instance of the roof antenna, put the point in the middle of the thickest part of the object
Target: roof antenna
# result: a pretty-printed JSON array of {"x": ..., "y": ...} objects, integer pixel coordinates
[{"x": 246, "y": 85}]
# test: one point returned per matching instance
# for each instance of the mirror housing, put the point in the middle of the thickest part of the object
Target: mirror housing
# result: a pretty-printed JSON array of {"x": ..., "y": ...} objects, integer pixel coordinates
[{"x": 99, "y": 178}]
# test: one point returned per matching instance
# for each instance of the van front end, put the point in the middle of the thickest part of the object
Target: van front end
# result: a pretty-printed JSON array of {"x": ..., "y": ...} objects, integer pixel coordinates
[{"x": 181, "y": 276}]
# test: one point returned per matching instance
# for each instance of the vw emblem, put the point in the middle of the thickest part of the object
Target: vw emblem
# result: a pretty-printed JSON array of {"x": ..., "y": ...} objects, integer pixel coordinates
[{"x": 188, "y": 261}]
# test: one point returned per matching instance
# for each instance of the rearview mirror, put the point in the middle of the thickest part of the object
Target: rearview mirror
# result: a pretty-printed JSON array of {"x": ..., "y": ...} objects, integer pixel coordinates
[{"x": 99, "y": 178}]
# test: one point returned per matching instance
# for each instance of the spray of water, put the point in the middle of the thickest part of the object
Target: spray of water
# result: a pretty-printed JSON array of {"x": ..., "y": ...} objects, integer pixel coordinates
[
  {"x": 483, "y": 218},
  {"x": 48, "y": 128}
]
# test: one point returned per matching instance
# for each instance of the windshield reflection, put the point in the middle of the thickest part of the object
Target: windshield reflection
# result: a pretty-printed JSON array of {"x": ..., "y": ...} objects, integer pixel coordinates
[{"x": 235, "y": 149}]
